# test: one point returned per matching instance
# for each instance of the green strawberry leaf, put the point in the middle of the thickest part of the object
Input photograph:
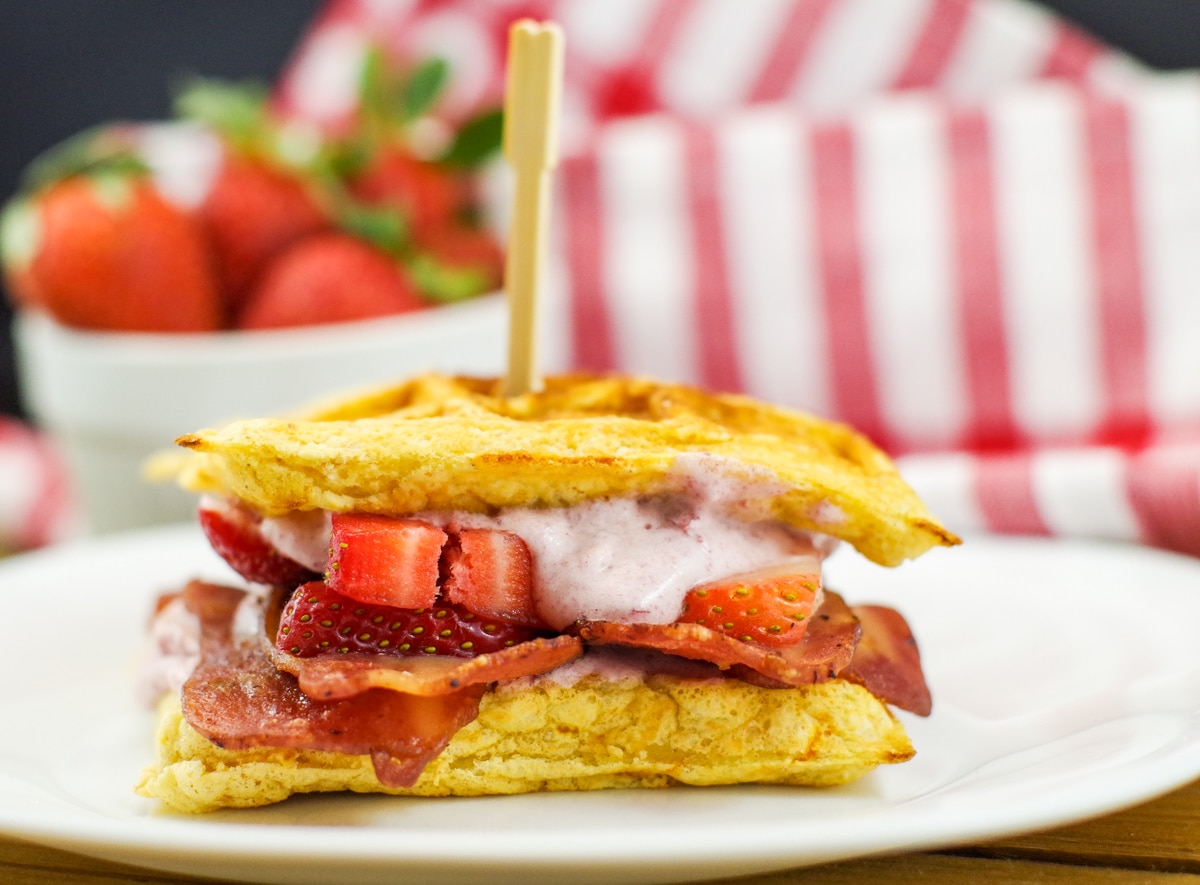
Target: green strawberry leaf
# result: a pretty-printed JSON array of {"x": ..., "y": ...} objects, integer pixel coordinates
[
  {"x": 382, "y": 226},
  {"x": 112, "y": 189},
  {"x": 236, "y": 110},
  {"x": 347, "y": 158},
  {"x": 20, "y": 233},
  {"x": 421, "y": 89},
  {"x": 444, "y": 284},
  {"x": 477, "y": 141},
  {"x": 375, "y": 89}
]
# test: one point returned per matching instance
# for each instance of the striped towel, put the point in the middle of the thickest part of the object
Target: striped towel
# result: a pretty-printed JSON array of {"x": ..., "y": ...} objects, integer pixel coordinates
[
  {"x": 701, "y": 58},
  {"x": 1001, "y": 295},
  {"x": 963, "y": 226}
]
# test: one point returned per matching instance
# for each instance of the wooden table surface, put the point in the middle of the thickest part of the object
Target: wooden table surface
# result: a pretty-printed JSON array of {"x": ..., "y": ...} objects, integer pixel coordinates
[{"x": 1157, "y": 843}]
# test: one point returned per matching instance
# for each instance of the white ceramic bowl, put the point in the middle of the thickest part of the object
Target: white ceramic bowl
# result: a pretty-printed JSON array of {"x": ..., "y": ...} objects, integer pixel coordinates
[{"x": 112, "y": 400}]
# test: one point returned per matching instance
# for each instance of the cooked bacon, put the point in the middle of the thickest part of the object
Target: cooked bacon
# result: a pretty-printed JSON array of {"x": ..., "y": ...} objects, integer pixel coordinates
[
  {"x": 887, "y": 662},
  {"x": 403, "y": 712},
  {"x": 343, "y": 676},
  {"x": 827, "y": 647},
  {"x": 215, "y": 605},
  {"x": 871, "y": 645},
  {"x": 237, "y": 699}
]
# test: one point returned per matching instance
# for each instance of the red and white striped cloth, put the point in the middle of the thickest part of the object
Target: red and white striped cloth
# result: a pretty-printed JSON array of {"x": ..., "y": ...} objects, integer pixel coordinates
[
  {"x": 700, "y": 58},
  {"x": 963, "y": 226},
  {"x": 1003, "y": 295}
]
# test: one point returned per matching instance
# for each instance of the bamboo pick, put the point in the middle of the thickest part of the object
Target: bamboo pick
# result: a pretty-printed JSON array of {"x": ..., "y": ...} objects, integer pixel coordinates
[{"x": 531, "y": 103}]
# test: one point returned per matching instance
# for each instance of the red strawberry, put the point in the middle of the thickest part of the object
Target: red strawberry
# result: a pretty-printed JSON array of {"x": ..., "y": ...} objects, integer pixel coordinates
[
  {"x": 107, "y": 252},
  {"x": 380, "y": 559},
  {"x": 491, "y": 573},
  {"x": 769, "y": 606},
  {"x": 425, "y": 194},
  {"x": 455, "y": 261},
  {"x": 329, "y": 278},
  {"x": 234, "y": 534},
  {"x": 252, "y": 213},
  {"x": 318, "y": 620}
]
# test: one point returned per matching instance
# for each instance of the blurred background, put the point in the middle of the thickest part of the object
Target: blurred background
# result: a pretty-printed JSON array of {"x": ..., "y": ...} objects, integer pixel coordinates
[{"x": 69, "y": 64}]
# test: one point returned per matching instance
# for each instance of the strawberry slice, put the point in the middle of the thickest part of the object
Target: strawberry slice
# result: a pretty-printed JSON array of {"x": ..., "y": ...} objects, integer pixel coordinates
[
  {"x": 235, "y": 534},
  {"x": 318, "y": 620},
  {"x": 768, "y": 606},
  {"x": 490, "y": 572},
  {"x": 384, "y": 560}
]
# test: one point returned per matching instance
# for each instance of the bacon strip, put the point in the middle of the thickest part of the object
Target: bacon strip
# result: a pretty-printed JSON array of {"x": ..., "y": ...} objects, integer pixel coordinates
[
  {"x": 827, "y": 647},
  {"x": 870, "y": 645},
  {"x": 403, "y": 712},
  {"x": 237, "y": 699},
  {"x": 344, "y": 676},
  {"x": 887, "y": 662}
]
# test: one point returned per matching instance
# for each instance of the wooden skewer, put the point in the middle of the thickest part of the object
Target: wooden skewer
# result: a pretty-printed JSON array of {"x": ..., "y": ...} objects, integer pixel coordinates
[{"x": 531, "y": 103}]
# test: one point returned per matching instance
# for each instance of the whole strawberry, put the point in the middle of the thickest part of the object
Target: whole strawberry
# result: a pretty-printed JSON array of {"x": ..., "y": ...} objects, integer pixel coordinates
[
  {"x": 424, "y": 193},
  {"x": 235, "y": 534},
  {"x": 252, "y": 212},
  {"x": 105, "y": 251},
  {"x": 317, "y": 620},
  {"x": 391, "y": 164},
  {"x": 261, "y": 200},
  {"x": 329, "y": 278}
]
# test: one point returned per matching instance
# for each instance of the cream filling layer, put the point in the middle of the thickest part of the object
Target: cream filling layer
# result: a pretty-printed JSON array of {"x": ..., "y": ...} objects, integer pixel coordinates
[{"x": 631, "y": 560}]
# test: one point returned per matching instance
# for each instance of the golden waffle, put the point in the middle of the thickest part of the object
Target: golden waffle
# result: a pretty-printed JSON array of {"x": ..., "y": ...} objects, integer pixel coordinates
[
  {"x": 453, "y": 443},
  {"x": 593, "y": 735}
]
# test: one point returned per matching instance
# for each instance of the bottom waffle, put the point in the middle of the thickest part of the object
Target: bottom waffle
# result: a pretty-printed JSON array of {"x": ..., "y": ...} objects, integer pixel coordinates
[{"x": 597, "y": 733}]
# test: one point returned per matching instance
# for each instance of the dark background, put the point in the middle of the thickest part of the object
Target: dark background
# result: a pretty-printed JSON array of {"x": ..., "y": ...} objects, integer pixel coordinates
[{"x": 69, "y": 64}]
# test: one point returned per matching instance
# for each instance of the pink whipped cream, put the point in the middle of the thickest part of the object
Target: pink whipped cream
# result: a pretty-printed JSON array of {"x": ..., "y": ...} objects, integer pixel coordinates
[
  {"x": 621, "y": 559},
  {"x": 302, "y": 536},
  {"x": 624, "y": 559}
]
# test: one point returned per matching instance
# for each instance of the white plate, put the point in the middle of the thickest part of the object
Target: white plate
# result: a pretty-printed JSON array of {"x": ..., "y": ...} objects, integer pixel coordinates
[{"x": 1066, "y": 679}]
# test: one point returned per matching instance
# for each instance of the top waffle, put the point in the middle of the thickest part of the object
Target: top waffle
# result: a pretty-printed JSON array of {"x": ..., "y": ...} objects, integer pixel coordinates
[{"x": 455, "y": 443}]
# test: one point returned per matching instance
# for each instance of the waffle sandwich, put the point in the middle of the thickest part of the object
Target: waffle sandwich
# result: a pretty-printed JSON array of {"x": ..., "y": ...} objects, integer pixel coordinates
[{"x": 612, "y": 582}]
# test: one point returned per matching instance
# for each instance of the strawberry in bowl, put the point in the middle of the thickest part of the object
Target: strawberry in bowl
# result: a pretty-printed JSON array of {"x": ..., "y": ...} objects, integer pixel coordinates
[{"x": 169, "y": 275}]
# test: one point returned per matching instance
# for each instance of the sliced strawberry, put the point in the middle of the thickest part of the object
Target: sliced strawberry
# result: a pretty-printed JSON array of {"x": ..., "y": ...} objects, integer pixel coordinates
[
  {"x": 318, "y": 620},
  {"x": 380, "y": 559},
  {"x": 490, "y": 573},
  {"x": 769, "y": 606},
  {"x": 234, "y": 533}
]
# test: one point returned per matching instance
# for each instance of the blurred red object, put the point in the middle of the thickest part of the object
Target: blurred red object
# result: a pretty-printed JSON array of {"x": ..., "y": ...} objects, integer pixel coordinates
[{"x": 37, "y": 506}]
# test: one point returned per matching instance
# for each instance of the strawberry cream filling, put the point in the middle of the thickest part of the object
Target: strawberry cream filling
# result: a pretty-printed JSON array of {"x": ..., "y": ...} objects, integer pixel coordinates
[{"x": 629, "y": 560}]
